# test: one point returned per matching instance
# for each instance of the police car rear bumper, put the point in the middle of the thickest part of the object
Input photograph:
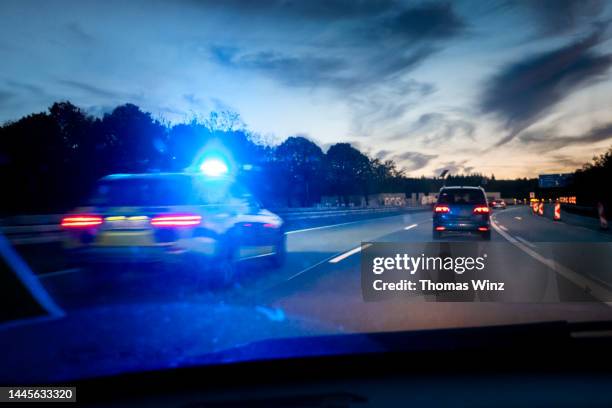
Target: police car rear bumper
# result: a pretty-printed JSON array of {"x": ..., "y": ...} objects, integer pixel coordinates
[{"x": 170, "y": 253}]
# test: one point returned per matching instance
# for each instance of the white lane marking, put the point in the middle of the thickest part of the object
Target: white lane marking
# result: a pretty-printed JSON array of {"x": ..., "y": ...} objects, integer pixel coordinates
[
  {"x": 311, "y": 267},
  {"x": 58, "y": 273},
  {"x": 598, "y": 291},
  {"x": 502, "y": 227},
  {"x": 349, "y": 253},
  {"x": 518, "y": 218},
  {"x": 334, "y": 225},
  {"x": 326, "y": 226},
  {"x": 524, "y": 241},
  {"x": 411, "y": 226}
]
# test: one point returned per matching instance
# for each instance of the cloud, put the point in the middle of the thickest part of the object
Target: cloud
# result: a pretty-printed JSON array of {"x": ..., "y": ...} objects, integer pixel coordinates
[
  {"x": 23, "y": 86},
  {"x": 548, "y": 139},
  {"x": 6, "y": 97},
  {"x": 351, "y": 51},
  {"x": 434, "y": 128},
  {"x": 385, "y": 103},
  {"x": 383, "y": 154},
  {"x": 98, "y": 91},
  {"x": 428, "y": 21},
  {"x": 526, "y": 90},
  {"x": 364, "y": 56},
  {"x": 556, "y": 17},
  {"x": 76, "y": 31},
  {"x": 567, "y": 161},
  {"x": 414, "y": 160},
  {"x": 454, "y": 168},
  {"x": 292, "y": 70},
  {"x": 303, "y": 9}
]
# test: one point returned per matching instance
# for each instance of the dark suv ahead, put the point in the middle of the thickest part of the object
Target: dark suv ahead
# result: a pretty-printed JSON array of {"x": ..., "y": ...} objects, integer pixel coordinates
[{"x": 462, "y": 209}]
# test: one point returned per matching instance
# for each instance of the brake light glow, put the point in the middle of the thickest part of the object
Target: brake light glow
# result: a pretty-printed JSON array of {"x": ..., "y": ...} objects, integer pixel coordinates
[
  {"x": 483, "y": 229},
  {"x": 441, "y": 209},
  {"x": 81, "y": 221},
  {"x": 176, "y": 220},
  {"x": 440, "y": 228},
  {"x": 481, "y": 210},
  {"x": 270, "y": 225}
]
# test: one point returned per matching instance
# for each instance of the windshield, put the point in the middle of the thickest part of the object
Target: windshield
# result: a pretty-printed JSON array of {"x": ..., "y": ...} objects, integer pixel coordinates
[
  {"x": 183, "y": 182},
  {"x": 139, "y": 192},
  {"x": 167, "y": 190}
]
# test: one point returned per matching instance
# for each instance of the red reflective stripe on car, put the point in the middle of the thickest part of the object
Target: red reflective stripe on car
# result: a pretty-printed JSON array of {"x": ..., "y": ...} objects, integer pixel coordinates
[
  {"x": 181, "y": 220},
  {"x": 81, "y": 221}
]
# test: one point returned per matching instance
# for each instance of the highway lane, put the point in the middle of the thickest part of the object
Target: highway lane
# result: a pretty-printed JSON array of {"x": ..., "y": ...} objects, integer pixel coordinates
[
  {"x": 331, "y": 292},
  {"x": 122, "y": 318},
  {"x": 307, "y": 248},
  {"x": 322, "y": 259}
]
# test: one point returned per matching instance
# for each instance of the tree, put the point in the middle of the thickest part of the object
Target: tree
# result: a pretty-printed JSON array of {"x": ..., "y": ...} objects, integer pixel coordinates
[
  {"x": 349, "y": 171},
  {"x": 137, "y": 142},
  {"x": 184, "y": 141},
  {"x": 591, "y": 182},
  {"x": 301, "y": 164}
]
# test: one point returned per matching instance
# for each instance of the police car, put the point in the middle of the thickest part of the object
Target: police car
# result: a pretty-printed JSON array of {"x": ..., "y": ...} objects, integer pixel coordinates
[{"x": 198, "y": 219}]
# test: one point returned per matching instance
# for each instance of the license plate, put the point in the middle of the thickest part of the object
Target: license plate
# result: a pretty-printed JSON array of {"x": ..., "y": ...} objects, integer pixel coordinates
[{"x": 127, "y": 222}]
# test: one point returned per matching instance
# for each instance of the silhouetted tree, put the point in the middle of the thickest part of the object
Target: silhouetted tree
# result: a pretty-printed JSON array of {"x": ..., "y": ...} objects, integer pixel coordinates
[
  {"x": 137, "y": 142},
  {"x": 592, "y": 182},
  {"x": 301, "y": 165},
  {"x": 348, "y": 171}
]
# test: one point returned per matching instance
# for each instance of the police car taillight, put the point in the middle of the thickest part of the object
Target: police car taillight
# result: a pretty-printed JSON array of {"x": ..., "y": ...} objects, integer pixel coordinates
[
  {"x": 176, "y": 220},
  {"x": 81, "y": 221}
]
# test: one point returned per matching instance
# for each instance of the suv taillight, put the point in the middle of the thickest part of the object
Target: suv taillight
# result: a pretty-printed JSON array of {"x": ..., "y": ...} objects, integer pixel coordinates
[
  {"x": 441, "y": 209},
  {"x": 481, "y": 209}
]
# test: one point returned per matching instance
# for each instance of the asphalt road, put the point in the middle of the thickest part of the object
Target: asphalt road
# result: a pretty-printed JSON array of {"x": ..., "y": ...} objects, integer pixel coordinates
[
  {"x": 326, "y": 258},
  {"x": 164, "y": 311}
]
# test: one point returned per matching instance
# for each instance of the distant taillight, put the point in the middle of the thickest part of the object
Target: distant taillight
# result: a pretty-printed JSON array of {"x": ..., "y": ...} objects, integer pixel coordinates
[
  {"x": 81, "y": 221},
  {"x": 441, "y": 209},
  {"x": 483, "y": 209},
  {"x": 176, "y": 220}
]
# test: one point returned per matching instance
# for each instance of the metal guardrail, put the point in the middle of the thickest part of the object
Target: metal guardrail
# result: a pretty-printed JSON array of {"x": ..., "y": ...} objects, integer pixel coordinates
[
  {"x": 41, "y": 229},
  {"x": 295, "y": 214}
]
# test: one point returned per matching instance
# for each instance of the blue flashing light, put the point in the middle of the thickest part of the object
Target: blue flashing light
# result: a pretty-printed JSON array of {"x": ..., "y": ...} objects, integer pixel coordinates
[{"x": 214, "y": 167}]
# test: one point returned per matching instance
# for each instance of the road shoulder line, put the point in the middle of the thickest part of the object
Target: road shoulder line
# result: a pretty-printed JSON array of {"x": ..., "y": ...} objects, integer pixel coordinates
[{"x": 595, "y": 289}]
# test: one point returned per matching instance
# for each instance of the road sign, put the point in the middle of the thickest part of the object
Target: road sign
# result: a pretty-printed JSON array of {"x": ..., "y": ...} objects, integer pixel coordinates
[{"x": 554, "y": 180}]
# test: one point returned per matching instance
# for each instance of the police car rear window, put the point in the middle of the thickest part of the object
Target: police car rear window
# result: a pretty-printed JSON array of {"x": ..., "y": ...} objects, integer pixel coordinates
[
  {"x": 461, "y": 196},
  {"x": 137, "y": 192}
]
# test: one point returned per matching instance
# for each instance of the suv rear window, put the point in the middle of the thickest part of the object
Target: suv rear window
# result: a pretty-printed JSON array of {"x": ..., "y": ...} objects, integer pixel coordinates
[{"x": 461, "y": 196}]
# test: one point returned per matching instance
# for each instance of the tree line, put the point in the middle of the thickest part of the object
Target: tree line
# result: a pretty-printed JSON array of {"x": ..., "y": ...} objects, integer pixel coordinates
[
  {"x": 50, "y": 161},
  {"x": 593, "y": 182}
]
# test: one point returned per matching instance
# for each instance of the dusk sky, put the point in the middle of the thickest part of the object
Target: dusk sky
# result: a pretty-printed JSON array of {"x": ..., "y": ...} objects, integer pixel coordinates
[{"x": 510, "y": 88}]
